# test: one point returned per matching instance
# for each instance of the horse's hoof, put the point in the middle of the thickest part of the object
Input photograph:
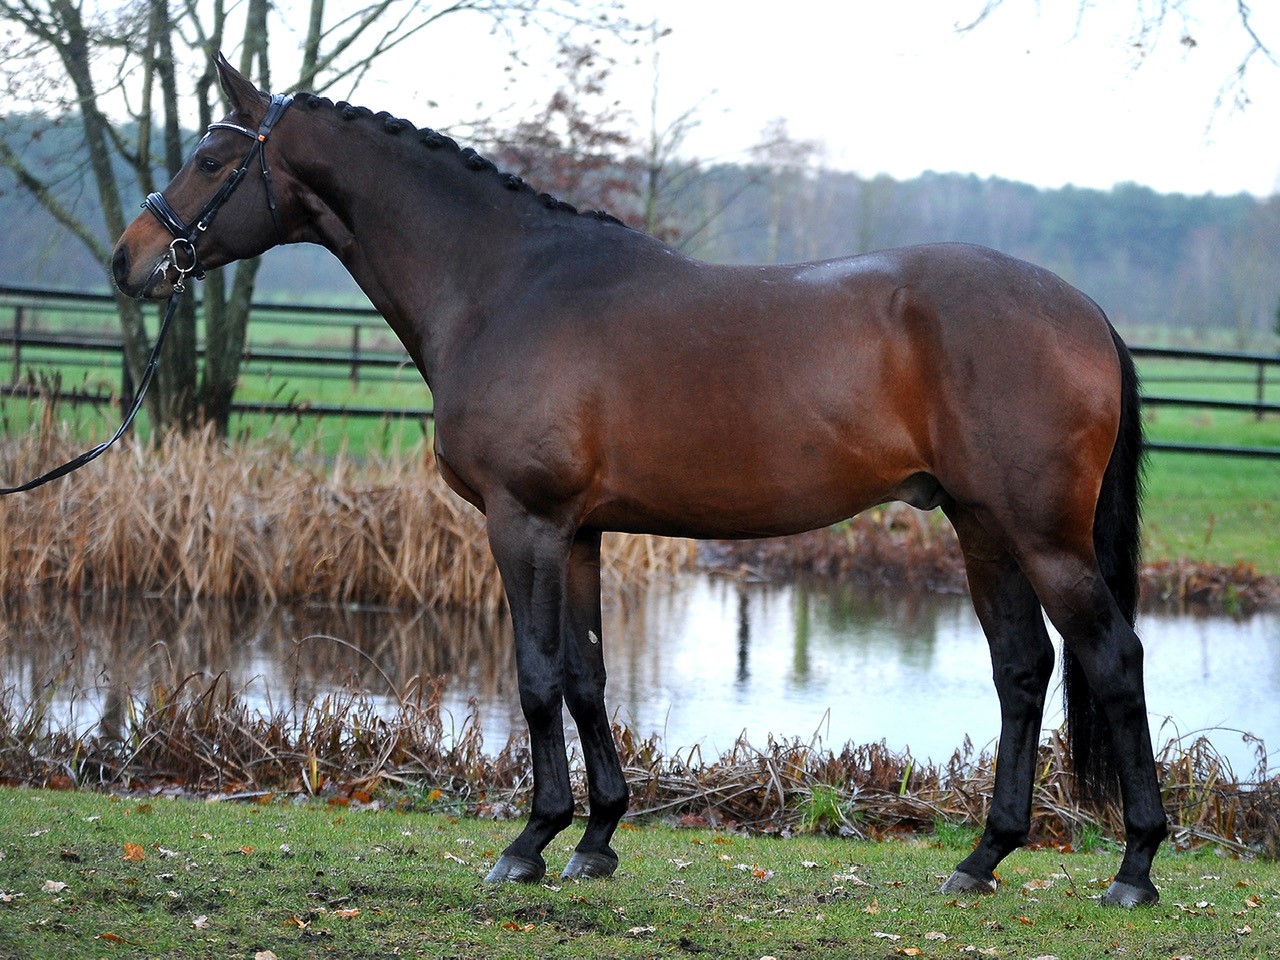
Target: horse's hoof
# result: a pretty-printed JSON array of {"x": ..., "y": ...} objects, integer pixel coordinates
[
  {"x": 589, "y": 866},
  {"x": 1121, "y": 894},
  {"x": 512, "y": 869},
  {"x": 965, "y": 883}
]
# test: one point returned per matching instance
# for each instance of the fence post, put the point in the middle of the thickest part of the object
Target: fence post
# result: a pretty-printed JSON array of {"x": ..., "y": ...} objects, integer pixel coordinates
[
  {"x": 355, "y": 355},
  {"x": 1262, "y": 388},
  {"x": 19, "y": 314}
]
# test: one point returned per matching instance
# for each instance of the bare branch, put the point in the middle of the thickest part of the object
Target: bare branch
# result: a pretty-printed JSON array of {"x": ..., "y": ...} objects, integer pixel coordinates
[{"x": 48, "y": 198}]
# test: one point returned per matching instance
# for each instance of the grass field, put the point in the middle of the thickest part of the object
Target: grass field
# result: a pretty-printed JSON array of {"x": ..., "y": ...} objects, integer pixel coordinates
[{"x": 87, "y": 875}]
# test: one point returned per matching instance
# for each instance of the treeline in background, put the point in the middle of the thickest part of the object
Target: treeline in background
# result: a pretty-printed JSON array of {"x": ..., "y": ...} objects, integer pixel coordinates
[{"x": 1184, "y": 268}]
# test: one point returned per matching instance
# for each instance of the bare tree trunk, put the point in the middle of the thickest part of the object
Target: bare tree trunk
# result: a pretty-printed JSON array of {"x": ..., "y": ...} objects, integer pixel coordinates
[
  {"x": 177, "y": 371},
  {"x": 73, "y": 50}
]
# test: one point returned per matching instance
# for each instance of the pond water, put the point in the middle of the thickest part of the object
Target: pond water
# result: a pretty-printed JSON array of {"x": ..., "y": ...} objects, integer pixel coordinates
[{"x": 697, "y": 661}]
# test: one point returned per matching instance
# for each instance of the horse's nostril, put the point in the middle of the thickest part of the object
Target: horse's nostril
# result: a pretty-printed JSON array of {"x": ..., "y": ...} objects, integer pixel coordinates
[{"x": 120, "y": 266}]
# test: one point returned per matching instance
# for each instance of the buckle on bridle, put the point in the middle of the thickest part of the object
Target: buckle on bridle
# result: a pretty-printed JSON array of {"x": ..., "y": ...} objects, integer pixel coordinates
[{"x": 178, "y": 248}]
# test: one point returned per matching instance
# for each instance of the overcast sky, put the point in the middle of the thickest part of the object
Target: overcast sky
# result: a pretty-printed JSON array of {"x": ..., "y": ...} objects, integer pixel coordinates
[{"x": 1036, "y": 93}]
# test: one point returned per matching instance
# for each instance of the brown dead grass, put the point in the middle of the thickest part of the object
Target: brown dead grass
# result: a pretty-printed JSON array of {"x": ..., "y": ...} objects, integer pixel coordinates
[
  {"x": 199, "y": 737},
  {"x": 197, "y": 518},
  {"x": 898, "y": 546}
]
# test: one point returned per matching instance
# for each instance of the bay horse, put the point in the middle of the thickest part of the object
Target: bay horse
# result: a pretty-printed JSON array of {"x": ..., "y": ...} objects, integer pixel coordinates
[{"x": 587, "y": 377}]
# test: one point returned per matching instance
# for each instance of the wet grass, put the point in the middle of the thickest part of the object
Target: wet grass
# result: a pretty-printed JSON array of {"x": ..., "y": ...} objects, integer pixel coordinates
[{"x": 88, "y": 875}]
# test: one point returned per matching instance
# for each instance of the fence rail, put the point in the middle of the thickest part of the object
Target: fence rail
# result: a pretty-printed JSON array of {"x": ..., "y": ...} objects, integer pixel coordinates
[{"x": 41, "y": 333}]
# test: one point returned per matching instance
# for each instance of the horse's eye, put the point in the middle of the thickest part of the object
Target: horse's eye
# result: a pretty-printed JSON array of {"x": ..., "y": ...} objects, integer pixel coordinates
[{"x": 209, "y": 165}]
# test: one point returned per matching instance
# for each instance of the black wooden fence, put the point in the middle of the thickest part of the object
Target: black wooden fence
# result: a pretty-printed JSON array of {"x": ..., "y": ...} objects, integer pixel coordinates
[{"x": 42, "y": 330}]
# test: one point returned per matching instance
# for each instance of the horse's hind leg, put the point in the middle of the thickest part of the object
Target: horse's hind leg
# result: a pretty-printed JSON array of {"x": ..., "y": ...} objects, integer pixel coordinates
[
  {"x": 1096, "y": 632},
  {"x": 584, "y": 693},
  {"x": 1021, "y": 662}
]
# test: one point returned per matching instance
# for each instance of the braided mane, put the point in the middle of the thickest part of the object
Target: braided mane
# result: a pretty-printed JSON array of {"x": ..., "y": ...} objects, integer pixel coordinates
[{"x": 434, "y": 140}]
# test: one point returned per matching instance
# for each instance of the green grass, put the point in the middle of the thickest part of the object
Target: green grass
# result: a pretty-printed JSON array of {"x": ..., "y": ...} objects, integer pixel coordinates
[
  {"x": 178, "y": 879},
  {"x": 1213, "y": 510}
]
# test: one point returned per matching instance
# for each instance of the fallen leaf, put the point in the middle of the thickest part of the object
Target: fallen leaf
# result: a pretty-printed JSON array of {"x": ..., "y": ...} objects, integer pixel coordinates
[
  {"x": 134, "y": 852},
  {"x": 850, "y": 878},
  {"x": 886, "y": 936},
  {"x": 636, "y": 931},
  {"x": 908, "y": 951},
  {"x": 110, "y": 937},
  {"x": 201, "y": 922},
  {"x": 349, "y": 912},
  {"x": 53, "y": 886},
  {"x": 1026, "y": 921},
  {"x": 761, "y": 874},
  {"x": 873, "y": 907},
  {"x": 809, "y": 864},
  {"x": 265, "y": 955},
  {"x": 512, "y": 925},
  {"x": 935, "y": 935},
  {"x": 246, "y": 850}
]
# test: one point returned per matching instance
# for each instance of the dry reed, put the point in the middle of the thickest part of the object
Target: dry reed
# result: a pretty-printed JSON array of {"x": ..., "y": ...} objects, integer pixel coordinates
[
  {"x": 199, "y": 737},
  {"x": 198, "y": 518},
  {"x": 898, "y": 546}
]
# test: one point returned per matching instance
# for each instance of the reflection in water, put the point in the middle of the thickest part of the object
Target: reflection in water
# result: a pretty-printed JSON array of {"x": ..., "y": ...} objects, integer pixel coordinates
[
  {"x": 92, "y": 653},
  {"x": 698, "y": 661}
]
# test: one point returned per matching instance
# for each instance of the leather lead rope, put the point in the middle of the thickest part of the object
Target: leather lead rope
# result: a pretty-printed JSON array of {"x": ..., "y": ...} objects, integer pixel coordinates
[{"x": 77, "y": 462}]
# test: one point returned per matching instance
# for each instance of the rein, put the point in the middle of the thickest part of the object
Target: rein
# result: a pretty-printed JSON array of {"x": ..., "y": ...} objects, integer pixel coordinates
[{"x": 183, "y": 248}]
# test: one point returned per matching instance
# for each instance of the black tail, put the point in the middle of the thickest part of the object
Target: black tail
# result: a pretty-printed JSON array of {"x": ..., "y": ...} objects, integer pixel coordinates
[{"x": 1116, "y": 544}]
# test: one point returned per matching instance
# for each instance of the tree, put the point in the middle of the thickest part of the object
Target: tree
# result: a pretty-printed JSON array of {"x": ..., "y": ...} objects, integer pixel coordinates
[
  {"x": 1151, "y": 21},
  {"x": 129, "y": 73},
  {"x": 789, "y": 167}
]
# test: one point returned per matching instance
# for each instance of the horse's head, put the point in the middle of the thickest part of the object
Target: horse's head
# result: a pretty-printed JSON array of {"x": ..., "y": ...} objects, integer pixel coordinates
[{"x": 234, "y": 175}]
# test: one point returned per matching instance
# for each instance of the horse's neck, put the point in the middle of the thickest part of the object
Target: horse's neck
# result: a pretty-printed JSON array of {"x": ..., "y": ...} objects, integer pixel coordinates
[{"x": 416, "y": 235}]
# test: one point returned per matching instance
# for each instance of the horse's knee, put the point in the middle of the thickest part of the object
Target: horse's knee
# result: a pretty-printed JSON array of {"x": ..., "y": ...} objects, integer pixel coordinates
[{"x": 541, "y": 705}]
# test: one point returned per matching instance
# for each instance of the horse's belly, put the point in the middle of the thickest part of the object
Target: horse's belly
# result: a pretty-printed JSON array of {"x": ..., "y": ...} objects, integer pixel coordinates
[{"x": 737, "y": 496}]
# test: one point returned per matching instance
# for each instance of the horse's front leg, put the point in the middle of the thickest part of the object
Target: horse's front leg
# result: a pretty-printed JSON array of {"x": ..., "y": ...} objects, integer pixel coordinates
[
  {"x": 584, "y": 692},
  {"x": 532, "y": 555}
]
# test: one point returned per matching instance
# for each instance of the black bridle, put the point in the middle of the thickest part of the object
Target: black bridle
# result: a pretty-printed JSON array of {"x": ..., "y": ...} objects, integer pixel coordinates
[
  {"x": 183, "y": 248},
  {"x": 182, "y": 257}
]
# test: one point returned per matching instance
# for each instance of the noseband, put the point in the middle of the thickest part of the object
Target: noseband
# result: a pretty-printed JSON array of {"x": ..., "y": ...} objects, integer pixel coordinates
[{"x": 183, "y": 248}]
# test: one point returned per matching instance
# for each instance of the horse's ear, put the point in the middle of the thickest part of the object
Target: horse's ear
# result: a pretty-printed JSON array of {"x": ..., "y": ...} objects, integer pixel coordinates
[{"x": 241, "y": 93}]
